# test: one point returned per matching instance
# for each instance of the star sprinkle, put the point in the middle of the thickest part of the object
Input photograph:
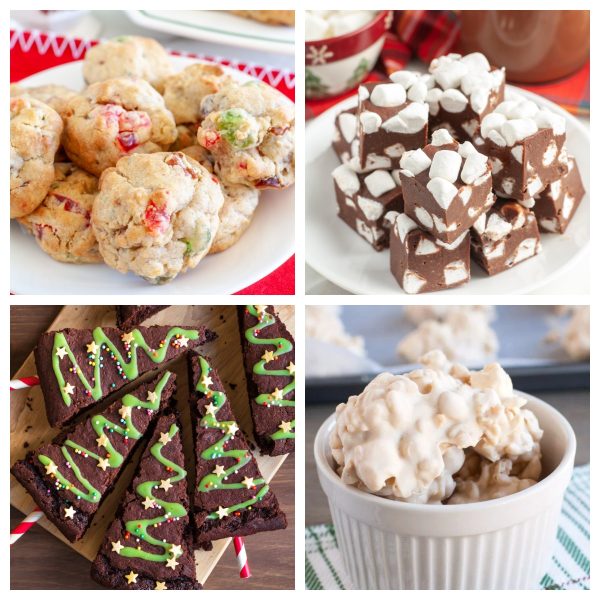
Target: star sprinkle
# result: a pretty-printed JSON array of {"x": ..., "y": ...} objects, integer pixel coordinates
[
  {"x": 102, "y": 440},
  {"x": 210, "y": 409},
  {"x": 175, "y": 550},
  {"x": 131, "y": 577},
  {"x": 151, "y": 397},
  {"x": 222, "y": 512},
  {"x": 61, "y": 352},
  {"x": 103, "y": 464},
  {"x": 277, "y": 394},
  {"x": 92, "y": 348},
  {"x": 260, "y": 308},
  {"x": 219, "y": 470},
  {"x": 291, "y": 368},
  {"x": 248, "y": 482},
  {"x": 207, "y": 381},
  {"x": 165, "y": 484},
  {"x": 183, "y": 341},
  {"x": 172, "y": 562},
  {"x": 148, "y": 503},
  {"x": 127, "y": 338},
  {"x": 285, "y": 426},
  {"x": 268, "y": 356},
  {"x": 164, "y": 438},
  {"x": 69, "y": 512},
  {"x": 125, "y": 411},
  {"x": 68, "y": 389},
  {"x": 232, "y": 428},
  {"x": 160, "y": 585},
  {"x": 51, "y": 469},
  {"x": 117, "y": 546}
]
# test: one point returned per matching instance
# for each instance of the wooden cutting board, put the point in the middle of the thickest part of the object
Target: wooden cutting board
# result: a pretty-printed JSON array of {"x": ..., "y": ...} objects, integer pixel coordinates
[{"x": 29, "y": 427}]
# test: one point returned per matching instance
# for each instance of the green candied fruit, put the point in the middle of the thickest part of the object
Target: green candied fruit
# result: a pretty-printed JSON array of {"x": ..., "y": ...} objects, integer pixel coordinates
[
  {"x": 199, "y": 241},
  {"x": 238, "y": 128}
]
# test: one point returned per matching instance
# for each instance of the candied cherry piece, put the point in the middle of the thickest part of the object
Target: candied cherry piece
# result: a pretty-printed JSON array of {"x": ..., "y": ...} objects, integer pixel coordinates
[
  {"x": 176, "y": 160},
  {"x": 127, "y": 141},
  {"x": 210, "y": 138},
  {"x": 156, "y": 218}
]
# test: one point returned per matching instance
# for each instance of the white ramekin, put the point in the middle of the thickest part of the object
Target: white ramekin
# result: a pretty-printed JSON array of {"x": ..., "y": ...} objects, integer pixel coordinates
[{"x": 496, "y": 544}]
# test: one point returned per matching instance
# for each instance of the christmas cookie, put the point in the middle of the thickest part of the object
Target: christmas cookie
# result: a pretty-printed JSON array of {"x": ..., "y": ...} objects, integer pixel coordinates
[
  {"x": 35, "y": 131},
  {"x": 55, "y": 96},
  {"x": 70, "y": 477},
  {"x": 147, "y": 546},
  {"x": 115, "y": 118},
  {"x": 231, "y": 497},
  {"x": 61, "y": 223},
  {"x": 131, "y": 316},
  {"x": 128, "y": 56},
  {"x": 268, "y": 351},
  {"x": 79, "y": 367},
  {"x": 156, "y": 214},
  {"x": 249, "y": 130}
]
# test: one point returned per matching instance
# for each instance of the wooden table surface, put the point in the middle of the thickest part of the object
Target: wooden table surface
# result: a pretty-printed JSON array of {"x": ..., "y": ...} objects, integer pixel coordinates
[{"x": 271, "y": 554}]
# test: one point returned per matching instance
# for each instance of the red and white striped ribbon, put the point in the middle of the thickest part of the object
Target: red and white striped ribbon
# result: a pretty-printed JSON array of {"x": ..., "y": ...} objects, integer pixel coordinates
[
  {"x": 25, "y": 525},
  {"x": 24, "y": 382},
  {"x": 242, "y": 558}
]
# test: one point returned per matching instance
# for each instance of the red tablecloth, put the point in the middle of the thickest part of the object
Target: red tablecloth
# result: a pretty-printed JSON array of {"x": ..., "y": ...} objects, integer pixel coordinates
[{"x": 33, "y": 51}]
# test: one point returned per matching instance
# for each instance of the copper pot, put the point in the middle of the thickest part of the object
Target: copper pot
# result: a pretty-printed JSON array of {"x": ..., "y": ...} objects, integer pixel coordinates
[{"x": 533, "y": 45}]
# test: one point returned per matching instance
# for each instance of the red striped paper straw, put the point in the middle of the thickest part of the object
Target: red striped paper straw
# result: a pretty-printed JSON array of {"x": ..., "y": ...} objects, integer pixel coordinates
[
  {"x": 25, "y": 525},
  {"x": 242, "y": 558},
  {"x": 24, "y": 382}
]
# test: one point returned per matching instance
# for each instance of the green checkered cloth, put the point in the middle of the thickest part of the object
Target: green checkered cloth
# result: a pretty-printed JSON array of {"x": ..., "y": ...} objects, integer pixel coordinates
[{"x": 569, "y": 569}]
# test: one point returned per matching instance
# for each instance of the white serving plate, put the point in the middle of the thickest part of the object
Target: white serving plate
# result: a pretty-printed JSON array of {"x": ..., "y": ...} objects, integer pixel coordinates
[
  {"x": 342, "y": 257},
  {"x": 268, "y": 242},
  {"x": 218, "y": 26}
]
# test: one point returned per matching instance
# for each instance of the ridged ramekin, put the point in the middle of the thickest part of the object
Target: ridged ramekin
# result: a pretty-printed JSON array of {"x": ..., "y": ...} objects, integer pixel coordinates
[{"x": 496, "y": 544}]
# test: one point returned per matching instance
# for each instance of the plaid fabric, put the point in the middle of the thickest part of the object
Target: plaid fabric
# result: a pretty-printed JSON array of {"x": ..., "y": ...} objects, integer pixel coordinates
[
  {"x": 568, "y": 570},
  {"x": 426, "y": 34}
]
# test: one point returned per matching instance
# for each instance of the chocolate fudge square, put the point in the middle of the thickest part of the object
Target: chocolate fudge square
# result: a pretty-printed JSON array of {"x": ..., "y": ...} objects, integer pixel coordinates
[
  {"x": 446, "y": 186},
  {"x": 231, "y": 497},
  {"x": 147, "y": 546},
  {"x": 421, "y": 263},
  {"x": 504, "y": 237},
  {"x": 345, "y": 132},
  {"x": 363, "y": 201},
  {"x": 70, "y": 477}
]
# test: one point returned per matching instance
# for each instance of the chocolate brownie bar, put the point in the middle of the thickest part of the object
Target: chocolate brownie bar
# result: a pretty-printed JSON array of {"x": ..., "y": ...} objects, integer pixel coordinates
[
  {"x": 129, "y": 317},
  {"x": 78, "y": 367},
  {"x": 70, "y": 477},
  {"x": 268, "y": 351},
  {"x": 147, "y": 546},
  {"x": 231, "y": 497}
]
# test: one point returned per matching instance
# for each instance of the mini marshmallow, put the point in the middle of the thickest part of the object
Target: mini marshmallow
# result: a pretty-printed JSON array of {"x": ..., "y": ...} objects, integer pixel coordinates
[
  {"x": 455, "y": 244},
  {"x": 403, "y": 224},
  {"x": 412, "y": 283},
  {"x": 534, "y": 186},
  {"x": 346, "y": 179},
  {"x": 524, "y": 110},
  {"x": 478, "y": 80},
  {"x": 496, "y": 137},
  {"x": 442, "y": 190},
  {"x": 479, "y": 100},
  {"x": 453, "y": 101},
  {"x": 424, "y": 217},
  {"x": 433, "y": 99},
  {"x": 428, "y": 80},
  {"x": 388, "y": 94},
  {"x": 409, "y": 120},
  {"x": 475, "y": 61},
  {"x": 363, "y": 92},
  {"x": 546, "y": 119},
  {"x": 441, "y": 225},
  {"x": 449, "y": 75},
  {"x": 370, "y": 121},
  {"x": 455, "y": 272},
  {"x": 379, "y": 182},
  {"x": 475, "y": 166},
  {"x": 517, "y": 152},
  {"x": 348, "y": 126},
  {"x": 396, "y": 176},
  {"x": 394, "y": 151},
  {"x": 445, "y": 164},
  {"x": 415, "y": 161},
  {"x": 465, "y": 195},
  {"x": 373, "y": 162},
  {"x": 515, "y": 130},
  {"x": 506, "y": 108},
  {"x": 496, "y": 227},
  {"x": 405, "y": 78},
  {"x": 467, "y": 148},
  {"x": 441, "y": 137},
  {"x": 425, "y": 247},
  {"x": 417, "y": 92},
  {"x": 526, "y": 249},
  {"x": 371, "y": 208},
  {"x": 492, "y": 121},
  {"x": 479, "y": 224}
]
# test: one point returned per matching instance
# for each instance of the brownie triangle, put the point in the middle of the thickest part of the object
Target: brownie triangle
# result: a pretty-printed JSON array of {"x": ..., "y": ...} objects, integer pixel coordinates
[
  {"x": 78, "y": 367},
  {"x": 147, "y": 546},
  {"x": 231, "y": 497},
  {"x": 130, "y": 316},
  {"x": 268, "y": 353},
  {"x": 70, "y": 477}
]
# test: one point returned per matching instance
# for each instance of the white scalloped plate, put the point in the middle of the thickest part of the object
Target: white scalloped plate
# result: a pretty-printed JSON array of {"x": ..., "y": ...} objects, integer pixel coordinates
[
  {"x": 268, "y": 242},
  {"x": 341, "y": 256}
]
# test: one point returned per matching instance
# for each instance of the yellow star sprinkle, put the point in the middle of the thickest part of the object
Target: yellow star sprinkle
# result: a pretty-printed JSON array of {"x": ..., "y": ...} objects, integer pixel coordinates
[
  {"x": 117, "y": 546},
  {"x": 222, "y": 512},
  {"x": 151, "y": 397},
  {"x": 148, "y": 503},
  {"x": 127, "y": 338},
  {"x": 172, "y": 562},
  {"x": 285, "y": 426},
  {"x": 160, "y": 585},
  {"x": 248, "y": 482},
  {"x": 68, "y": 389},
  {"x": 175, "y": 550},
  {"x": 291, "y": 368},
  {"x": 51, "y": 468},
  {"x": 61, "y": 352},
  {"x": 207, "y": 381},
  {"x": 131, "y": 577},
  {"x": 92, "y": 348},
  {"x": 277, "y": 394},
  {"x": 219, "y": 470},
  {"x": 125, "y": 411},
  {"x": 69, "y": 512},
  {"x": 183, "y": 341},
  {"x": 164, "y": 438},
  {"x": 102, "y": 440},
  {"x": 268, "y": 356},
  {"x": 165, "y": 484},
  {"x": 260, "y": 308},
  {"x": 210, "y": 409},
  {"x": 103, "y": 464},
  {"x": 232, "y": 428}
]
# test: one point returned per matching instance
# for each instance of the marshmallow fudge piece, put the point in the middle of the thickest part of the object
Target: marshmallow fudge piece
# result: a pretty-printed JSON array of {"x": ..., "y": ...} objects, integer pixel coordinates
[
  {"x": 421, "y": 263},
  {"x": 466, "y": 89},
  {"x": 344, "y": 133},
  {"x": 505, "y": 236},
  {"x": 555, "y": 206},
  {"x": 526, "y": 146},
  {"x": 446, "y": 186},
  {"x": 363, "y": 201},
  {"x": 389, "y": 120}
]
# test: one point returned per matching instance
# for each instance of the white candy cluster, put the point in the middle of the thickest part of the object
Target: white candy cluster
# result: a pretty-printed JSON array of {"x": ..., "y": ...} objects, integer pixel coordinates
[
  {"x": 324, "y": 323},
  {"x": 403, "y": 436},
  {"x": 325, "y": 24},
  {"x": 462, "y": 80}
]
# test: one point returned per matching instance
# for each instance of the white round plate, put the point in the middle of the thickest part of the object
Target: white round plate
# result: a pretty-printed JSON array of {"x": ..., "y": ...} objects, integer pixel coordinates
[
  {"x": 218, "y": 26},
  {"x": 344, "y": 258},
  {"x": 268, "y": 242}
]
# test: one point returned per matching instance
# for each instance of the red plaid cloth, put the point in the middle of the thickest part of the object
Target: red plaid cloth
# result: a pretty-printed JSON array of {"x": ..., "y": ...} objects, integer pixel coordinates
[
  {"x": 33, "y": 51},
  {"x": 426, "y": 34}
]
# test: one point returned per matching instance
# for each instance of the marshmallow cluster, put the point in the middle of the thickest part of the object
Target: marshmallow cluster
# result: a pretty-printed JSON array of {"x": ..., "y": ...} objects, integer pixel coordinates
[
  {"x": 403, "y": 436},
  {"x": 324, "y": 24}
]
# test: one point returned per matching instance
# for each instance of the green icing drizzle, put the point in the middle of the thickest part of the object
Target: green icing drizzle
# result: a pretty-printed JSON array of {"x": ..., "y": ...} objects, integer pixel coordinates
[
  {"x": 283, "y": 346},
  {"x": 172, "y": 510},
  {"x": 127, "y": 366},
  {"x": 212, "y": 481},
  {"x": 114, "y": 459}
]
